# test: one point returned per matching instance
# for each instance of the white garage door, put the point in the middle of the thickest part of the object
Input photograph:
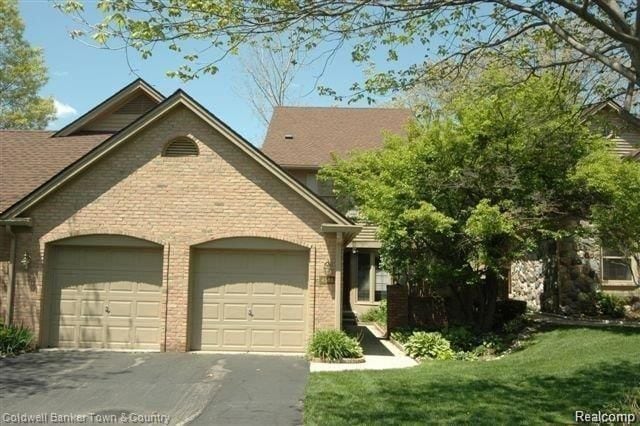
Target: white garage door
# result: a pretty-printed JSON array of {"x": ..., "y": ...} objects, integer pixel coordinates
[
  {"x": 249, "y": 300},
  {"x": 105, "y": 297}
]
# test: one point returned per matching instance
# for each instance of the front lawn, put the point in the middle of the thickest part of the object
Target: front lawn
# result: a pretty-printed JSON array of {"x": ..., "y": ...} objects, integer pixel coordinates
[{"x": 561, "y": 371}]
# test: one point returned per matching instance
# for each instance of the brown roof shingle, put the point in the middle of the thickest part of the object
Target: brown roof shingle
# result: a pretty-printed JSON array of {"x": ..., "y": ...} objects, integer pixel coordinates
[
  {"x": 30, "y": 158},
  {"x": 318, "y": 132}
]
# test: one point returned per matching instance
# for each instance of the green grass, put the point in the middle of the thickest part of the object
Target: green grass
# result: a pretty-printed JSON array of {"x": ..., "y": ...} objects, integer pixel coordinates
[{"x": 559, "y": 372}]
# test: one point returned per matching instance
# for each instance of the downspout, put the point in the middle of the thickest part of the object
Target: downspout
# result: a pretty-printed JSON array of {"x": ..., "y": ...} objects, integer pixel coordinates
[
  {"x": 315, "y": 285},
  {"x": 12, "y": 276},
  {"x": 166, "y": 299},
  {"x": 338, "y": 280}
]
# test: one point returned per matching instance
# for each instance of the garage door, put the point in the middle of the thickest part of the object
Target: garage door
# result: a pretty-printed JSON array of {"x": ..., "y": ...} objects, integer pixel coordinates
[
  {"x": 249, "y": 300},
  {"x": 105, "y": 297}
]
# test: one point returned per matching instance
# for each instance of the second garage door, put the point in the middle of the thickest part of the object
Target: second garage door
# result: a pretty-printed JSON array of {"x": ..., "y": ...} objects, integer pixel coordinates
[{"x": 249, "y": 300}]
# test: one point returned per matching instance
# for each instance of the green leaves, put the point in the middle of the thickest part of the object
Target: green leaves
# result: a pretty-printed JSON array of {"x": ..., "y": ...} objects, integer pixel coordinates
[
  {"x": 501, "y": 169},
  {"x": 22, "y": 74},
  {"x": 486, "y": 222}
]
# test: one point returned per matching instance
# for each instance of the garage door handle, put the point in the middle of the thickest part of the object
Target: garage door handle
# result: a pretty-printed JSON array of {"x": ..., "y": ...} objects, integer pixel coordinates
[
  {"x": 107, "y": 310},
  {"x": 250, "y": 312}
]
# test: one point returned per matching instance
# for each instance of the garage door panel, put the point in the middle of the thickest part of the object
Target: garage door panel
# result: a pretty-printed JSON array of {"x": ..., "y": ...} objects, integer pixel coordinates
[
  {"x": 291, "y": 339},
  {"x": 292, "y": 313},
  {"x": 229, "y": 283},
  {"x": 106, "y": 297},
  {"x": 147, "y": 310},
  {"x": 235, "y": 312},
  {"x": 263, "y": 339},
  {"x": 235, "y": 338}
]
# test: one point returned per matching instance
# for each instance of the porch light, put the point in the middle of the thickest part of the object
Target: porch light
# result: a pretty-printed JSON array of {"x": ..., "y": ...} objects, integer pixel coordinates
[
  {"x": 26, "y": 260},
  {"x": 328, "y": 268}
]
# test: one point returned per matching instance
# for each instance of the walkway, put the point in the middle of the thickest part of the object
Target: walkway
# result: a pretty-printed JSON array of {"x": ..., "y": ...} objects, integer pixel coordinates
[{"x": 379, "y": 354}]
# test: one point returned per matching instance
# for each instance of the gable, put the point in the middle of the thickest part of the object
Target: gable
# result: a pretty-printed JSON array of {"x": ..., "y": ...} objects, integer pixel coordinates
[
  {"x": 120, "y": 115},
  {"x": 624, "y": 134},
  {"x": 157, "y": 116},
  {"x": 135, "y": 183},
  {"x": 116, "y": 112}
]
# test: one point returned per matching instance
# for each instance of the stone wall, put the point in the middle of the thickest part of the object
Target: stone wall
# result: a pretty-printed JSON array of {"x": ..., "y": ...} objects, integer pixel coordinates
[
  {"x": 566, "y": 281},
  {"x": 527, "y": 282}
]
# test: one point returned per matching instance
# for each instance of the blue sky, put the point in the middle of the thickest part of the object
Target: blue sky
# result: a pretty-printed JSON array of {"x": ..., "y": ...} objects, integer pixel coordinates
[{"x": 82, "y": 76}]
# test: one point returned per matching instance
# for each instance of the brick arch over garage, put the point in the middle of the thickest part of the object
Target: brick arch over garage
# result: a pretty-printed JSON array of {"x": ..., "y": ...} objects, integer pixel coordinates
[{"x": 291, "y": 239}]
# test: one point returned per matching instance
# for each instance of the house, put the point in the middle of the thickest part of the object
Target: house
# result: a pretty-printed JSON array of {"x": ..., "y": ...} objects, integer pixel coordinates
[
  {"x": 584, "y": 265},
  {"x": 148, "y": 223},
  {"x": 303, "y": 139}
]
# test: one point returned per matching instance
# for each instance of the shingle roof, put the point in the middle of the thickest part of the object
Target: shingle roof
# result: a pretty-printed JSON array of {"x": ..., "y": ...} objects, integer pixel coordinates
[
  {"x": 30, "y": 158},
  {"x": 313, "y": 133}
]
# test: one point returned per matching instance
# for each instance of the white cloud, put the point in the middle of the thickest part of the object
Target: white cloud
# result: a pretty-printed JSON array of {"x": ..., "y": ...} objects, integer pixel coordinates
[{"x": 63, "y": 110}]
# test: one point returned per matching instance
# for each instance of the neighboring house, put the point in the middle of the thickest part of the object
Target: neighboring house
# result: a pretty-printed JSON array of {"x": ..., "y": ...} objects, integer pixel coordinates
[
  {"x": 303, "y": 139},
  {"x": 584, "y": 264},
  {"x": 148, "y": 223}
]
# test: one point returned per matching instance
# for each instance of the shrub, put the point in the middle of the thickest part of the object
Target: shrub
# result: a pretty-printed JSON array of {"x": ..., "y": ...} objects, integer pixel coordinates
[
  {"x": 376, "y": 314},
  {"x": 15, "y": 339},
  {"x": 491, "y": 344},
  {"x": 333, "y": 345},
  {"x": 401, "y": 335},
  {"x": 428, "y": 345},
  {"x": 610, "y": 305},
  {"x": 465, "y": 356},
  {"x": 515, "y": 326},
  {"x": 461, "y": 338}
]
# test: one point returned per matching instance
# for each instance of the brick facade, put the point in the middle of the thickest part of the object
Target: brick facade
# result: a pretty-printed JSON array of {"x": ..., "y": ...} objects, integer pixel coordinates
[{"x": 178, "y": 203}]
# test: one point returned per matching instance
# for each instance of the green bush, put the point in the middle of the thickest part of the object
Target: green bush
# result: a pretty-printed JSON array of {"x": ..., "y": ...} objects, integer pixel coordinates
[
  {"x": 610, "y": 305},
  {"x": 515, "y": 326},
  {"x": 491, "y": 344},
  {"x": 376, "y": 314},
  {"x": 465, "y": 356},
  {"x": 401, "y": 335},
  {"x": 15, "y": 339},
  {"x": 333, "y": 345},
  {"x": 428, "y": 345},
  {"x": 461, "y": 338}
]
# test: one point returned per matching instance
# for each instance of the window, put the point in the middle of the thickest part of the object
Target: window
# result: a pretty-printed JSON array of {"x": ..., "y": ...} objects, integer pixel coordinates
[
  {"x": 180, "y": 147},
  {"x": 615, "y": 267},
  {"x": 371, "y": 279},
  {"x": 364, "y": 277}
]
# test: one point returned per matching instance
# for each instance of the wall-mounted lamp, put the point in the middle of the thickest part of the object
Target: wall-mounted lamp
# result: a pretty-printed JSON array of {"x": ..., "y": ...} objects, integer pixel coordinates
[
  {"x": 26, "y": 260},
  {"x": 328, "y": 268}
]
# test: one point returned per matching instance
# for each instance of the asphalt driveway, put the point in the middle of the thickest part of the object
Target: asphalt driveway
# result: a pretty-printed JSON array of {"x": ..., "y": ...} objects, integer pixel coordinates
[{"x": 151, "y": 388}]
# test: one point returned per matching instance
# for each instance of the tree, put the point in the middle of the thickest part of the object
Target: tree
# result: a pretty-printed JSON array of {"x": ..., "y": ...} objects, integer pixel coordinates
[
  {"x": 22, "y": 74},
  {"x": 604, "y": 33},
  {"x": 499, "y": 171},
  {"x": 270, "y": 69}
]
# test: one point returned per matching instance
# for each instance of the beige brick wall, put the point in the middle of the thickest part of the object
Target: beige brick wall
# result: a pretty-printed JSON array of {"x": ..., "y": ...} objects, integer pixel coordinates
[{"x": 176, "y": 202}]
